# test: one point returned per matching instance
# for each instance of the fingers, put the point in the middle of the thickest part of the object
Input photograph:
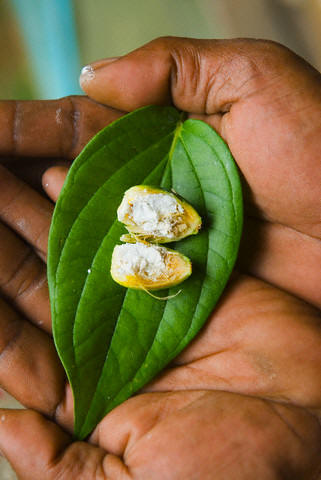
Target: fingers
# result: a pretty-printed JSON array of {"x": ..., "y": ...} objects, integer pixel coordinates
[
  {"x": 29, "y": 366},
  {"x": 51, "y": 128},
  {"x": 23, "y": 279},
  {"x": 53, "y": 180},
  {"x": 39, "y": 450},
  {"x": 25, "y": 211},
  {"x": 22, "y": 274}
]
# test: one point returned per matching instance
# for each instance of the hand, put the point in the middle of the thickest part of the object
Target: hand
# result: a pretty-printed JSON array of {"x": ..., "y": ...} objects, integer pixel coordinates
[
  {"x": 204, "y": 431},
  {"x": 267, "y": 437}
]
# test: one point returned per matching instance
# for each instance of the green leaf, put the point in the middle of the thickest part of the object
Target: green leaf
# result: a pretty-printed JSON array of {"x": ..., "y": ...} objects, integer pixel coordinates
[{"x": 112, "y": 341}]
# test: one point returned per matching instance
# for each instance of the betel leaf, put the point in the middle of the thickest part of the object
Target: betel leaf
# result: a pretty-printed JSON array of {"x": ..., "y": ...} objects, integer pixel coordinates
[{"x": 113, "y": 340}]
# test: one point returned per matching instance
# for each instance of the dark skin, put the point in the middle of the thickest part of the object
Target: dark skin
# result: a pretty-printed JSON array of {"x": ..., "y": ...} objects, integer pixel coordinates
[{"x": 243, "y": 401}]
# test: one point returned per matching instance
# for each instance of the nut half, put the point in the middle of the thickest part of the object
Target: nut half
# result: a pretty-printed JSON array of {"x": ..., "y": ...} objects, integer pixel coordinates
[
  {"x": 156, "y": 216},
  {"x": 148, "y": 267}
]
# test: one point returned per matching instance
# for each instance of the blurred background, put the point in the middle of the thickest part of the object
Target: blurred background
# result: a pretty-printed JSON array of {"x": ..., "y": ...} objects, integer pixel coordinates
[{"x": 45, "y": 42}]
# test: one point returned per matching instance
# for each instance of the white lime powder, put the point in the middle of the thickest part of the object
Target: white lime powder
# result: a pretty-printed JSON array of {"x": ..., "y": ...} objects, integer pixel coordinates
[
  {"x": 153, "y": 213},
  {"x": 147, "y": 261}
]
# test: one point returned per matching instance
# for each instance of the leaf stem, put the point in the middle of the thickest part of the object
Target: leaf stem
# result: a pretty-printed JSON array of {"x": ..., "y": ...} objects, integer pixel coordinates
[{"x": 176, "y": 134}]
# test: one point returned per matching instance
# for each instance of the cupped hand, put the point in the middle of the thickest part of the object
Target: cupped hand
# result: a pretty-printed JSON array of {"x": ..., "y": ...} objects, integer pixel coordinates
[{"x": 260, "y": 341}]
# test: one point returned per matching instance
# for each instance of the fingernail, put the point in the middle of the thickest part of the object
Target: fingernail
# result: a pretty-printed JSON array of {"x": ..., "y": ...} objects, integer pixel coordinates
[
  {"x": 86, "y": 75},
  {"x": 88, "y": 72}
]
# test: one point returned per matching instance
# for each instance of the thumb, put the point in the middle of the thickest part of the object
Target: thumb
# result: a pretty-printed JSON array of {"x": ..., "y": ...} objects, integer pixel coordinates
[
  {"x": 30, "y": 442},
  {"x": 178, "y": 70},
  {"x": 123, "y": 80},
  {"x": 198, "y": 76},
  {"x": 38, "y": 449}
]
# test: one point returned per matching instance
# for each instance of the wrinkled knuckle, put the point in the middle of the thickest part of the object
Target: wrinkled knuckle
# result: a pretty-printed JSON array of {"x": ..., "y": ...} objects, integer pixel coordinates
[
  {"x": 75, "y": 117},
  {"x": 25, "y": 278},
  {"x": 31, "y": 284},
  {"x": 18, "y": 274},
  {"x": 189, "y": 76},
  {"x": 185, "y": 55},
  {"x": 67, "y": 115}
]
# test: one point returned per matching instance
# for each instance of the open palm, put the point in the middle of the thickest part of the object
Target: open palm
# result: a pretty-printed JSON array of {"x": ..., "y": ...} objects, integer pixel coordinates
[{"x": 243, "y": 400}]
